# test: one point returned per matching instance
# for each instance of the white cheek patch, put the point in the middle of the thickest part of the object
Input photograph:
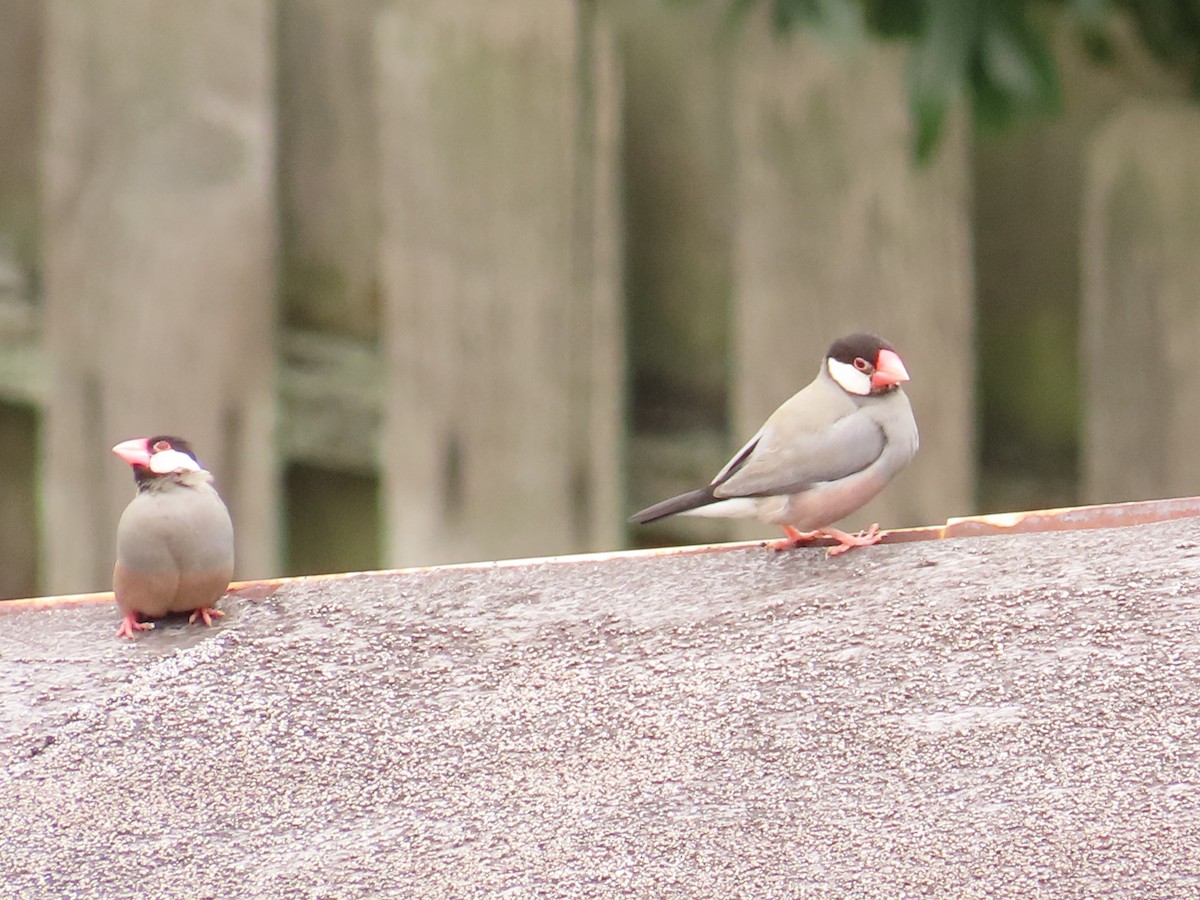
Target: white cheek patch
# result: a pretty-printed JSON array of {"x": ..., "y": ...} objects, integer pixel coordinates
[
  {"x": 850, "y": 378},
  {"x": 164, "y": 462}
]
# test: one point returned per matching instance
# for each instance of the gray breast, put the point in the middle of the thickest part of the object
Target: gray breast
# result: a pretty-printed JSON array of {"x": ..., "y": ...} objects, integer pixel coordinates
[{"x": 183, "y": 528}]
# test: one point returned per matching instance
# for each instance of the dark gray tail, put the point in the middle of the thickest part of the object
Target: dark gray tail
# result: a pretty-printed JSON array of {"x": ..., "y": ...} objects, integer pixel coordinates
[{"x": 682, "y": 503}]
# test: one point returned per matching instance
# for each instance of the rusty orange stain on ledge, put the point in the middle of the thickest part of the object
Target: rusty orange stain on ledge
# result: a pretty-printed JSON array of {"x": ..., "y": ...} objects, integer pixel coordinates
[{"x": 1069, "y": 518}]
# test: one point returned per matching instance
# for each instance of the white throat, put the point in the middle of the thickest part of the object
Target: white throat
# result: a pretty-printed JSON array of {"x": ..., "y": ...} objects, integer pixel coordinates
[{"x": 849, "y": 378}]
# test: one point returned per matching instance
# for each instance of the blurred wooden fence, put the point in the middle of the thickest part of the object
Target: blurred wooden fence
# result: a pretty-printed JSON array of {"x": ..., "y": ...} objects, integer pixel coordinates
[{"x": 431, "y": 282}]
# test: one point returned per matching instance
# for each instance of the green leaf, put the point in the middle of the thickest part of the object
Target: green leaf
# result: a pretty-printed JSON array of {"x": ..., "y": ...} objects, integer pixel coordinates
[
  {"x": 1090, "y": 20},
  {"x": 789, "y": 14},
  {"x": 1014, "y": 71},
  {"x": 937, "y": 68},
  {"x": 836, "y": 20},
  {"x": 1090, "y": 13},
  {"x": 894, "y": 18},
  {"x": 992, "y": 51},
  {"x": 1008, "y": 62}
]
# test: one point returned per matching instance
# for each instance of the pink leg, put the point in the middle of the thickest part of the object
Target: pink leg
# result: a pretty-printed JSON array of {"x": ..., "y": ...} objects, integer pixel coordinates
[
  {"x": 207, "y": 614},
  {"x": 794, "y": 539},
  {"x": 131, "y": 624},
  {"x": 845, "y": 541}
]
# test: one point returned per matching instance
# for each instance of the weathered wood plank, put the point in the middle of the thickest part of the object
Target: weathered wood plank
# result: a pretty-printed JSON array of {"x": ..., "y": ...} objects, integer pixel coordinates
[
  {"x": 160, "y": 240},
  {"x": 18, "y": 502},
  {"x": 24, "y": 374},
  {"x": 678, "y": 166},
  {"x": 329, "y": 388},
  {"x": 331, "y": 401},
  {"x": 678, "y": 163},
  {"x": 328, "y": 179},
  {"x": 1028, "y": 185},
  {"x": 20, "y": 58},
  {"x": 21, "y": 370},
  {"x": 502, "y": 332},
  {"x": 1140, "y": 316},
  {"x": 330, "y": 412},
  {"x": 333, "y": 519},
  {"x": 20, "y": 51},
  {"x": 327, "y": 166},
  {"x": 596, "y": 364},
  {"x": 838, "y": 231}
]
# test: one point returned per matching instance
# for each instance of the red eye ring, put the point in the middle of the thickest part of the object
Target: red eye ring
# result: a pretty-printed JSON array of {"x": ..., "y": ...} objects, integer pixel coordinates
[
  {"x": 160, "y": 446},
  {"x": 861, "y": 364}
]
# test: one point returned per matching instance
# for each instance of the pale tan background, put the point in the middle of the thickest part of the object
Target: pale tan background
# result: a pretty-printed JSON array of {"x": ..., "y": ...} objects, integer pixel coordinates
[{"x": 433, "y": 282}]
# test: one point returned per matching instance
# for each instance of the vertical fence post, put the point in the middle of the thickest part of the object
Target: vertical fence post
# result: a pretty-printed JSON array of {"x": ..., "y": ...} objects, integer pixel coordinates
[
  {"x": 159, "y": 248},
  {"x": 329, "y": 273},
  {"x": 20, "y": 49},
  {"x": 328, "y": 177},
  {"x": 503, "y": 344},
  {"x": 839, "y": 230},
  {"x": 1140, "y": 309}
]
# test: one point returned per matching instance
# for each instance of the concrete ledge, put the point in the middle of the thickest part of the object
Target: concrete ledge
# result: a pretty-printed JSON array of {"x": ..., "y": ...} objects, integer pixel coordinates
[{"x": 959, "y": 717}]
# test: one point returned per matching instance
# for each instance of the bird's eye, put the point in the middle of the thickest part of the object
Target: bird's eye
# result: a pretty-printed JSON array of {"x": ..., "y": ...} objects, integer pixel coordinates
[
  {"x": 160, "y": 446},
  {"x": 861, "y": 364}
]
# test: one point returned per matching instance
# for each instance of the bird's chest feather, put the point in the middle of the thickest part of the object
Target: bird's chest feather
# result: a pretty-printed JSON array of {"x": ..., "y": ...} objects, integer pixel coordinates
[{"x": 182, "y": 529}]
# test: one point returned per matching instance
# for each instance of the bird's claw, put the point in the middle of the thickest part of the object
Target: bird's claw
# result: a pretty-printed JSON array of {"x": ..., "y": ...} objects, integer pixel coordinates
[
  {"x": 847, "y": 541},
  {"x": 794, "y": 539},
  {"x": 206, "y": 613},
  {"x": 130, "y": 624}
]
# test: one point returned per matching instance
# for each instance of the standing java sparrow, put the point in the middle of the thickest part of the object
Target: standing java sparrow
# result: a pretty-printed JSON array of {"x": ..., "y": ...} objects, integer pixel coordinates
[
  {"x": 820, "y": 456},
  {"x": 175, "y": 538}
]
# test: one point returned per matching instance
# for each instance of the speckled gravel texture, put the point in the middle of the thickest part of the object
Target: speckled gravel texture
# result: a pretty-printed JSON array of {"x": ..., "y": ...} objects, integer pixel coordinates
[{"x": 991, "y": 717}]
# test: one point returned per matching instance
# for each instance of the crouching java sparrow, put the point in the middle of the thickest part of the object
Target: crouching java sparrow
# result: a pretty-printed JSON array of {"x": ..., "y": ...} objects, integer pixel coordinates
[
  {"x": 820, "y": 456},
  {"x": 175, "y": 538}
]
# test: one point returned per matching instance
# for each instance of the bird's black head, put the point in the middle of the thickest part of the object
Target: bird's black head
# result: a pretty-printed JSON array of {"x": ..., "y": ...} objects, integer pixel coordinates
[
  {"x": 865, "y": 364},
  {"x": 858, "y": 346}
]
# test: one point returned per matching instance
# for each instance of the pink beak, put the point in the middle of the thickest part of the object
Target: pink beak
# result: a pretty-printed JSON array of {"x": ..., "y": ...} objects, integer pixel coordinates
[
  {"x": 888, "y": 370},
  {"x": 135, "y": 452}
]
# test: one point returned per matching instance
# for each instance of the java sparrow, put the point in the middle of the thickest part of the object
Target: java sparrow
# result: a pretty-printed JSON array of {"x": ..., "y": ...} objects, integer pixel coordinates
[
  {"x": 175, "y": 538},
  {"x": 820, "y": 456}
]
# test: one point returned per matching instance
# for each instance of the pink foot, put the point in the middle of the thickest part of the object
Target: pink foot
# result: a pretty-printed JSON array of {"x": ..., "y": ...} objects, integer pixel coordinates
[
  {"x": 794, "y": 539},
  {"x": 130, "y": 624},
  {"x": 845, "y": 541},
  {"x": 205, "y": 613}
]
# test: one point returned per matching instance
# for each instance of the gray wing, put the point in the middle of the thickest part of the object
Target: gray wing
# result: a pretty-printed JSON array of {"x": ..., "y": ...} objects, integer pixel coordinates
[{"x": 780, "y": 460}]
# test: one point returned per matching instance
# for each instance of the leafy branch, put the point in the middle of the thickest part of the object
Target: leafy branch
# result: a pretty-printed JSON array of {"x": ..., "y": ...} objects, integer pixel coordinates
[{"x": 995, "y": 53}]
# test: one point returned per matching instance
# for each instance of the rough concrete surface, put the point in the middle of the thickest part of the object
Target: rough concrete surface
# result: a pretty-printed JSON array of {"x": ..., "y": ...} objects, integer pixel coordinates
[{"x": 988, "y": 717}]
